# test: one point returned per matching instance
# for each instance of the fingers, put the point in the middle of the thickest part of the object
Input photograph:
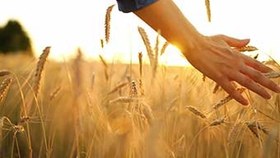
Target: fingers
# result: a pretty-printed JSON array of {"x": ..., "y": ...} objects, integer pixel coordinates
[
  {"x": 261, "y": 79},
  {"x": 233, "y": 42},
  {"x": 229, "y": 88},
  {"x": 257, "y": 65},
  {"x": 250, "y": 84}
]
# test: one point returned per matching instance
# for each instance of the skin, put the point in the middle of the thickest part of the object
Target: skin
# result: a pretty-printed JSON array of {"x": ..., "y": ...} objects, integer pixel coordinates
[{"x": 215, "y": 56}]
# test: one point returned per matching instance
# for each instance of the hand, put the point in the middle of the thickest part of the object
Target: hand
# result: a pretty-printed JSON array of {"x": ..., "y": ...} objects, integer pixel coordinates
[{"x": 218, "y": 58}]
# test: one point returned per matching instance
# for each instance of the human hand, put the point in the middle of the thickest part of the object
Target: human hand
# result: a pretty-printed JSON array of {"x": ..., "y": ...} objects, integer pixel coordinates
[{"x": 218, "y": 58}]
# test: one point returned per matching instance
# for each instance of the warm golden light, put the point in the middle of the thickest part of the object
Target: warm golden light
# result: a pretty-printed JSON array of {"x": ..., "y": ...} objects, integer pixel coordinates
[{"x": 68, "y": 25}]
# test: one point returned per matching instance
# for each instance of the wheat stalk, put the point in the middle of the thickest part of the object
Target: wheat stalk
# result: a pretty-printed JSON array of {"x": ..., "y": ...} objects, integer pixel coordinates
[
  {"x": 92, "y": 81},
  {"x": 156, "y": 53},
  {"x": 163, "y": 48},
  {"x": 119, "y": 86},
  {"x": 147, "y": 44},
  {"x": 227, "y": 99},
  {"x": 39, "y": 69},
  {"x": 217, "y": 122},
  {"x": 234, "y": 131},
  {"x": 103, "y": 61},
  {"x": 123, "y": 99},
  {"x": 102, "y": 43},
  {"x": 54, "y": 93},
  {"x": 108, "y": 22},
  {"x": 105, "y": 65},
  {"x": 147, "y": 111},
  {"x": 195, "y": 111},
  {"x": 208, "y": 9},
  {"x": 4, "y": 87},
  {"x": 140, "y": 58}
]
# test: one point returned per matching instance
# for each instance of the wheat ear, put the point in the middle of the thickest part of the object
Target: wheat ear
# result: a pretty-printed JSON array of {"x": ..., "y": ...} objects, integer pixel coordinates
[
  {"x": 248, "y": 49},
  {"x": 217, "y": 122},
  {"x": 163, "y": 48},
  {"x": 108, "y": 22},
  {"x": 4, "y": 73},
  {"x": 227, "y": 99},
  {"x": 195, "y": 111},
  {"x": 147, "y": 44},
  {"x": 255, "y": 127},
  {"x": 4, "y": 87},
  {"x": 208, "y": 9},
  {"x": 39, "y": 69}
]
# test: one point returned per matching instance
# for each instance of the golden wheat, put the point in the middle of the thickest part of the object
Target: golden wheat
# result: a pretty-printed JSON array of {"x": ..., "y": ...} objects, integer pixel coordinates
[
  {"x": 248, "y": 49},
  {"x": 255, "y": 127},
  {"x": 123, "y": 99},
  {"x": 119, "y": 86},
  {"x": 234, "y": 132},
  {"x": 105, "y": 65},
  {"x": 39, "y": 69},
  {"x": 102, "y": 43},
  {"x": 4, "y": 87},
  {"x": 227, "y": 99},
  {"x": 133, "y": 89},
  {"x": 163, "y": 48},
  {"x": 156, "y": 53},
  {"x": 208, "y": 9},
  {"x": 140, "y": 59},
  {"x": 4, "y": 73},
  {"x": 54, "y": 93},
  {"x": 147, "y": 44},
  {"x": 217, "y": 122},
  {"x": 195, "y": 111},
  {"x": 147, "y": 111},
  {"x": 108, "y": 23}
]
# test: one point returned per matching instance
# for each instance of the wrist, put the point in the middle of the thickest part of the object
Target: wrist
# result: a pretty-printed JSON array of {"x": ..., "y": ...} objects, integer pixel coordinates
[{"x": 192, "y": 44}]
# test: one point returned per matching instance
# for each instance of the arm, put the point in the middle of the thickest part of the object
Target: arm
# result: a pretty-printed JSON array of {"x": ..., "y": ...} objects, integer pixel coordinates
[{"x": 214, "y": 56}]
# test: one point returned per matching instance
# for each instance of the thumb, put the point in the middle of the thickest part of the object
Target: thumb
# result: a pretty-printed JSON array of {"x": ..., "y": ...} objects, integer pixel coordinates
[{"x": 233, "y": 42}]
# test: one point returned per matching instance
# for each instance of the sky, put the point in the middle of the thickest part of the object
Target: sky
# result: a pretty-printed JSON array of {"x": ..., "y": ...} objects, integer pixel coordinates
[{"x": 68, "y": 25}]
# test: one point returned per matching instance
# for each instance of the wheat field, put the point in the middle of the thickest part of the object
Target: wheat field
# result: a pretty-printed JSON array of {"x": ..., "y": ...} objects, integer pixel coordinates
[
  {"x": 99, "y": 109},
  {"x": 95, "y": 109}
]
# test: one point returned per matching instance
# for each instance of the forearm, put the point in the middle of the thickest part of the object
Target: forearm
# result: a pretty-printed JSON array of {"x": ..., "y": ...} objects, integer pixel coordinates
[{"x": 165, "y": 16}]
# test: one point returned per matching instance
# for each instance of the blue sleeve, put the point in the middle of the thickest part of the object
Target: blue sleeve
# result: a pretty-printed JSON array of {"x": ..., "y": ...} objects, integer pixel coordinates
[{"x": 132, "y": 5}]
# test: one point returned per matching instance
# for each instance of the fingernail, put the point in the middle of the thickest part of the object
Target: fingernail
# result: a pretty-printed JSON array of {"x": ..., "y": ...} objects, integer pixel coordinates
[
  {"x": 245, "y": 102},
  {"x": 267, "y": 96}
]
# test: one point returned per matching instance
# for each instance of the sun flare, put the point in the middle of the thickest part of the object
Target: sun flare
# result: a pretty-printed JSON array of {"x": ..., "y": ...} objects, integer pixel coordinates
[{"x": 81, "y": 25}]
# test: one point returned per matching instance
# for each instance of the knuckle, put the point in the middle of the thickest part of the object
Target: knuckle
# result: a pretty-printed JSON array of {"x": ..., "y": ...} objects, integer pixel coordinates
[
  {"x": 271, "y": 84},
  {"x": 247, "y": 81},
  {"x": 257, "y": 75}
]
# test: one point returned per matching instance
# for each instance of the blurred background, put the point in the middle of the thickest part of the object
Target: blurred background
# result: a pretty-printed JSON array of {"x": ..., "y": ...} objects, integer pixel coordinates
[{"x": 68, "y": 25}]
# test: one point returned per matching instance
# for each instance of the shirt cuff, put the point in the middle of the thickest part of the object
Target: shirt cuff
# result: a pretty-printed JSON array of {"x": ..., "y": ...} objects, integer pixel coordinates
[{"x": 127, "y": 6}]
